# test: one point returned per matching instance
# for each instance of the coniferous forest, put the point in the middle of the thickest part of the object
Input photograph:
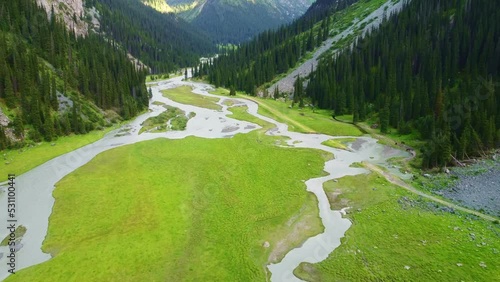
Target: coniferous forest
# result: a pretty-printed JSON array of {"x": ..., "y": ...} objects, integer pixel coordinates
[
  {"x": 41, "y": 62},
  {"x": 433, "y": 68}
]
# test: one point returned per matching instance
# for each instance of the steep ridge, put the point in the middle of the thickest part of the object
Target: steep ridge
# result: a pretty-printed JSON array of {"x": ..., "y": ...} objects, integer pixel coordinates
[{"x": 372, "y": 21}]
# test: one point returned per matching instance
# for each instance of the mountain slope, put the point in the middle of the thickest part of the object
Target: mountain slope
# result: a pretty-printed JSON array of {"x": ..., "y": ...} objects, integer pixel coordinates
[
  {"x": 343, "y": 35},
  {"x": 53, "y": 83},
  {"x": 233, "y": 21},
  {"x": 275, "y": 52},
  {"x": 439, "y": 80}
]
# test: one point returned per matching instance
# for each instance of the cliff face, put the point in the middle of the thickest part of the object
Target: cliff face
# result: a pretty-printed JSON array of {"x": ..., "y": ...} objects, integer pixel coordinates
[{"x": 71, "y": 12}]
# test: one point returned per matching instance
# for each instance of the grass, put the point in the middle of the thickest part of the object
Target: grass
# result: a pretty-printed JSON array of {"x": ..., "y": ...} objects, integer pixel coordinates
[
  {"x": 240, "y": 113},
  {"x": 184, "y": 95},
  {"x": 393, "y": 229},
  {"x": 177, "y": 117},
  {"x": 304, "y": 120},
  {"x": 204, "y": 216},
  {"x": 19, "y": 161},
  {"x": 220, "y": 91},
  {"x": 339, "y": 143}
]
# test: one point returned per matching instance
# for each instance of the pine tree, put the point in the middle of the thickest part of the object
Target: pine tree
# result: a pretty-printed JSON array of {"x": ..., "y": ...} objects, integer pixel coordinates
[
  {"x": 10, "y": 98},
  {"x": 18, "y": 127},
  {"x": 48, "y": 128},
  {"x": 276, "y": 93}
]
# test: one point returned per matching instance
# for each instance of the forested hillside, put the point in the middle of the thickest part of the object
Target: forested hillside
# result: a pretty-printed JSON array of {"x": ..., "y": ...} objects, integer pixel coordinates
[
  {"x": 52, "y": 83},
  {"x": 433, "y": 68},
  {"x": 164, "y": 42},
  {"x": 272, "y": 52}
]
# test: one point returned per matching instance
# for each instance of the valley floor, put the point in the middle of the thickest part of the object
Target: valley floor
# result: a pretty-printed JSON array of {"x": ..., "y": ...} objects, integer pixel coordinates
[{"x": 205, "y": 208}]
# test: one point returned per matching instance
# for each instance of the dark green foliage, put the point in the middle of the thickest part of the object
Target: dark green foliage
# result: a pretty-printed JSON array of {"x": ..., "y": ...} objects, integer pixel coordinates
[
  {"x": 35, "y": 56},
  {"x": 298, "y": 92},
  {"x": 18, "y": 127},
  {"x": 435, "y": 66},
  {"x": 4, "y": 142}
]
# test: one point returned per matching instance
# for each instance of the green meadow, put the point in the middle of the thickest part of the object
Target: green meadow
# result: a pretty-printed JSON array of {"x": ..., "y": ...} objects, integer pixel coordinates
[
  {"x": 181, "y": 210},
  {"x": 397, "y": 236},
  {"x": 240, "y": 113},
  {"x": 305, "y": 120},
  {"x": 184, "y": 95}
]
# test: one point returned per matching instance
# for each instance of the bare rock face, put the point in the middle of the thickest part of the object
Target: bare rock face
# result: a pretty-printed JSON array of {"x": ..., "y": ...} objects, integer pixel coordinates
[
  {"x": 4, "y": 120},
  {"x": 71, "y": 12}
]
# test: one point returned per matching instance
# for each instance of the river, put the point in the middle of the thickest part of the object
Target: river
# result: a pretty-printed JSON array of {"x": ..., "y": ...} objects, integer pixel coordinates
[{"x": 34, "y": 200}]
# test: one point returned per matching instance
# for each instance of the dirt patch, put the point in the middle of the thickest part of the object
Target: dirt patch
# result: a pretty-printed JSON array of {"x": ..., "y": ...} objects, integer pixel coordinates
[{"x": 335, "y": 202}]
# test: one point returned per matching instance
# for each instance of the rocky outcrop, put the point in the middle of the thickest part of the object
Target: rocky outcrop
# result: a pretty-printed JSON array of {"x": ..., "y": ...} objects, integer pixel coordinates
[
  {"x": 71, "y": 12},
  {"x": 4, "y": 120}
]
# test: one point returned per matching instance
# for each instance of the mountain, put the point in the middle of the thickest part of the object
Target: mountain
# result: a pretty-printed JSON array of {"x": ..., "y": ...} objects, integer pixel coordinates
[{"x": 234, "y": 21}]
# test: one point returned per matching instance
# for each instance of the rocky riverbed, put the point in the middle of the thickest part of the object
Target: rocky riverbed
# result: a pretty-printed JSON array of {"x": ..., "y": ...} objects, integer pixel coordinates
[{"x": 476, "y": 187}]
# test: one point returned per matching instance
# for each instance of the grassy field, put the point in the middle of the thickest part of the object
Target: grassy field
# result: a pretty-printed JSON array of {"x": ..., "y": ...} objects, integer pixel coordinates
[
  {"x": 240, "y": 113},
  {"x": 396, "y": 236},
  {"x": 184, "y": 95},
  {"x": 180, "y": 210},
  {"x": 18, "y": 161}
]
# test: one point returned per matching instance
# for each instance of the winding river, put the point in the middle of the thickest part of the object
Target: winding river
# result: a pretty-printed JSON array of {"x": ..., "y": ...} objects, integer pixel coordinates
[{"x": 35, "y": 187}]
